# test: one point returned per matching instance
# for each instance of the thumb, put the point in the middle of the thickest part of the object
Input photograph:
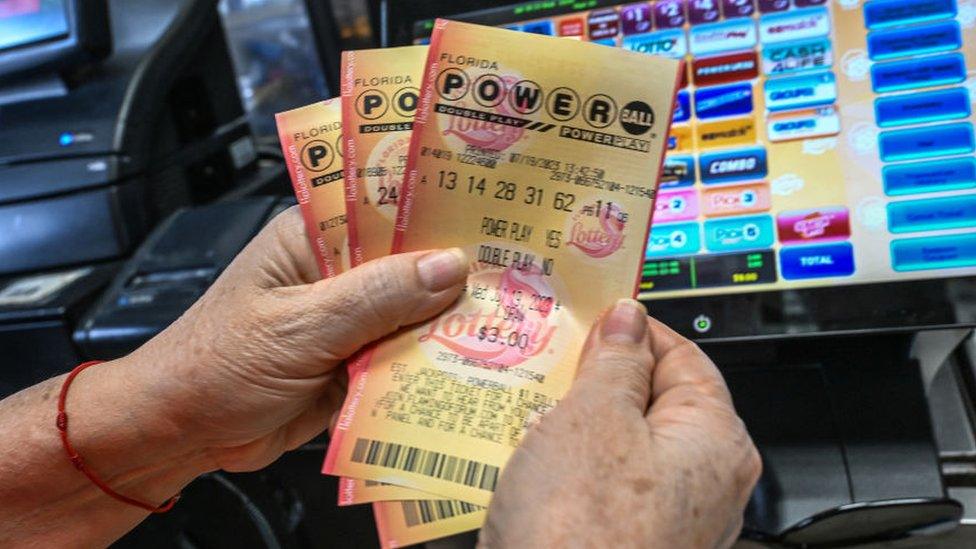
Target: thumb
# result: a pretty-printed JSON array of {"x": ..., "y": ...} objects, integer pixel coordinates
[
  {"x": 339, "y": 315},
  {"x": 617, "y": 361}
]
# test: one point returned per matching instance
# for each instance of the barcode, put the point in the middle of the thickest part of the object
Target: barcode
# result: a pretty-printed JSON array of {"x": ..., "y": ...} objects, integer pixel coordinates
[
  {"x": 427, "y": 463},
  {"x": 423, "y": 511}
]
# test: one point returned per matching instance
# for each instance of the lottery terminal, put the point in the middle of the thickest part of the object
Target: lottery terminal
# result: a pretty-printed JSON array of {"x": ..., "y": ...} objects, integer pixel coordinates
[{"x": 814, "y": 229}]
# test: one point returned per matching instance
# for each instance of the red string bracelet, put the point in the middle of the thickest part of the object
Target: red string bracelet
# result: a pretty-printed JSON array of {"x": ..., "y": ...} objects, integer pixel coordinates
[{"x": 79, "y": 464}]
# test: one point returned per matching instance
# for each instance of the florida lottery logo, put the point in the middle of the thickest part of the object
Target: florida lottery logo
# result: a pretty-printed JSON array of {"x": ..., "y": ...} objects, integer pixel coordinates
[
  {"x": 507, "y": 318},
  {"x": 597, "y": 229}
]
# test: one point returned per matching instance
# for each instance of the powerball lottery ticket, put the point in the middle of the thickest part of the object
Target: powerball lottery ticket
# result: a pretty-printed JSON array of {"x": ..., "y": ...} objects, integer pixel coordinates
[
  {"x": 380, "y": 90},
  {"x": 402, "y": 523},
  {"x": 540, "y": 158},
  {"x": 311, "y": 140}
]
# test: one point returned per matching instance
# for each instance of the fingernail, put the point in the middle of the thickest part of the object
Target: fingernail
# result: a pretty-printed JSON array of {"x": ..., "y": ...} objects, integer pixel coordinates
[
  {"x": 626, "y": 323},
  {"x": 442, "y": 269}
]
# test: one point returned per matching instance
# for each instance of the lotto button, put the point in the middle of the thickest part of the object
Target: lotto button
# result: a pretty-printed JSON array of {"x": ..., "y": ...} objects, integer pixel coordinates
[
  {"x": 670, "y": 43},
  {"x": 933, "y": 214},
  {"x": 885, "y": 13},
  {"x": 917, "y": 108},
  {"x": 918, "y": 73},
  {"x": 926, "y": 142},
  {"x": 949, "y": 174},
  {"x": 936, "y": 252},
  {"x": 820, "y": 261},
  {"x": 673, "y": 239},
  {"x": 739, "y": 233},
  {"x": 935, "y": 38}
]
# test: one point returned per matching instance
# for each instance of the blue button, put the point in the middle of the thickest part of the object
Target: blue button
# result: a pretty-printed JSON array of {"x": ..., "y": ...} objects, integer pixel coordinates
[
  {"x": 679, "y": 171},
  {"x": 935, "y": 38},
  {"x": 916, "y": 108},
  {"x": 673, "y": 239},
  {"x": 934, "y": 252},
  {"x": 723, "y": 101},
  {"x": 918, "y": 73},
  {"x": 822, "y": 261},
  {"x": 926, "y": 142},
  {"x": 885, "y": 13},
  {"x": 682, "y": 107},
  {"x": 798, "y": 92},
  {"x": 737, "y": 165},
  {"x": 932, "y": 214},
  {"x": 949, "y": 174},
  {"x": 739, "y": 233},
  {"x": 539, "y": 27}
]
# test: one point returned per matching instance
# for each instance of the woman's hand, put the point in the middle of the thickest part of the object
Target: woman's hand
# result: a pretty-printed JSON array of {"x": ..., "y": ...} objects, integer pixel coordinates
[
  {"x": 645, "y": 450},
  {"x": 252, "y": 369}
]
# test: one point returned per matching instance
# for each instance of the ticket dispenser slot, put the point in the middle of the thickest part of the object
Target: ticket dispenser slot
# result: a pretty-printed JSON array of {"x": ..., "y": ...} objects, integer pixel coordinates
[{"x": 843, "y": 427}]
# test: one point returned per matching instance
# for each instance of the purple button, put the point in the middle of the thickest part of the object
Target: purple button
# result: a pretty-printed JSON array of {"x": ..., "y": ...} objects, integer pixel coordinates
[
  {"x": 808, "y": 3},
  {"x": 603, "y": 24},
  {"x": 737, "y": 8},
  {"x": 767, "y": 6},
  {"x": 669, "y": 14},
  {"x": 636, "y": 18},
  {"x": 703, "y": 11}
]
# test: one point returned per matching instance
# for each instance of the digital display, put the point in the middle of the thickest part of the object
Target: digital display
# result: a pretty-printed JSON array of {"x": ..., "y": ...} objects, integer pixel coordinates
[
  {"x": 813, "y": 143},
  {"x": 25, "y": 22}
]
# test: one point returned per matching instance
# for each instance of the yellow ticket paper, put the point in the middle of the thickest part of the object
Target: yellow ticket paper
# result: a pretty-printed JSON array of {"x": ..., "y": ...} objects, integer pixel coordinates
[
  {"x": 311, "y": 139},
  {"x": 402, "y": 523},
  {"x": 540, "y": 158},
  {"x": 353, "y": 491},
  {"x": 380, "y": 89}
]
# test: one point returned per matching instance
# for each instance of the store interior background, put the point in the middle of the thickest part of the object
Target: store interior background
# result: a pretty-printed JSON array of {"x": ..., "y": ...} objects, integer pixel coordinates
[{"x": 167, "y": 223}]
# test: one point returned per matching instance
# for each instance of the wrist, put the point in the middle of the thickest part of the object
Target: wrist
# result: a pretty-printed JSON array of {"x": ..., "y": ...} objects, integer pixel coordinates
[{"x": 121, "y": 424}]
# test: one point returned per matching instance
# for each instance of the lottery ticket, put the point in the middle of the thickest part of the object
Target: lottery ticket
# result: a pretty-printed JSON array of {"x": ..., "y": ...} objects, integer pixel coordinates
[
  {"x": 540, "y": 158},
  {"x": 402, "y": 523},
  {"x": 380, "y": 89},
  {"x": 311, "y": 140}
]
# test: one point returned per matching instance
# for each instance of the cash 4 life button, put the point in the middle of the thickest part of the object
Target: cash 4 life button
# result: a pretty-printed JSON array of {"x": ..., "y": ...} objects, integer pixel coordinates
[
  {"x": 950, "y": 212},
  {"x": 822, "y": 261}
]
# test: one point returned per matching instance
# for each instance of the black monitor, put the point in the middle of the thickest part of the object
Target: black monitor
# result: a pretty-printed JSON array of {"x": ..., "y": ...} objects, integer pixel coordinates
[
  {"x": 820, "y": 174},
  {"x": 51, "y": 35}
]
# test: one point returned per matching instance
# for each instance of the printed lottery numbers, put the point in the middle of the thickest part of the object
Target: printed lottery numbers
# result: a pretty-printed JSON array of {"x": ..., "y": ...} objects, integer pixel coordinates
[{"x": 507, "y": 191}]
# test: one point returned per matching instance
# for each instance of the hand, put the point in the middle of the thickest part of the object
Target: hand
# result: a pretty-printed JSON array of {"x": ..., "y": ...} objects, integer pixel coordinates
[
  {"x": 252, "y": 369},
  {"x": 645, "y": 450}
]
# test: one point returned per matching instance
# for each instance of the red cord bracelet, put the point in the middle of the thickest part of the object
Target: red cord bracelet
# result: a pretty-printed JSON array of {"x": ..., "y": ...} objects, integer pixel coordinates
[{"x": 79, "y": 463}]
